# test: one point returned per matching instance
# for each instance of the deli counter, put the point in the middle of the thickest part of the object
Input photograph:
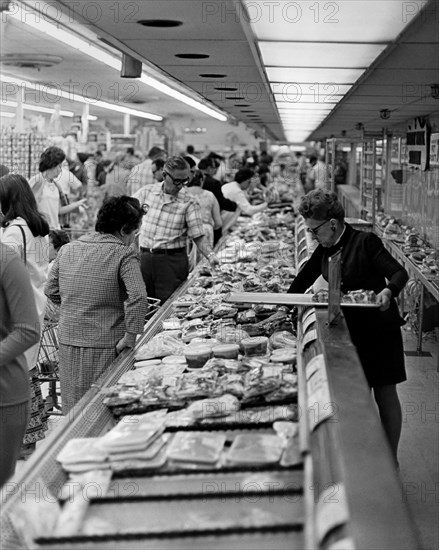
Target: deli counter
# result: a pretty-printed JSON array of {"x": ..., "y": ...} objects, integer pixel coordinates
[{"x": 277, "y": 445}]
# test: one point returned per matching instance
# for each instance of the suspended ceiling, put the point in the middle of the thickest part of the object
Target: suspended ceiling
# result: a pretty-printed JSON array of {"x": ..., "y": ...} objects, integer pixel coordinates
[{"x": 240, "y": 43}]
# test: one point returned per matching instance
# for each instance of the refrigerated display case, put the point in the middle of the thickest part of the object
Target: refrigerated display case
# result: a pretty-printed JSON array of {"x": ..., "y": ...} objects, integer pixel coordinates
[{"x": 339, "y": 490}]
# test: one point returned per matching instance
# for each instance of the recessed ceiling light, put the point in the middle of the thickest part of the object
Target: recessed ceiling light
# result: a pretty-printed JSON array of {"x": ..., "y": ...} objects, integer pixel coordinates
[
  {"x": 236, "y": 98},
  {"x": 246, "y": 111},
  {"x": 242, "y": 105},
  {"x": 192, "y": 55},
  {"x": 160, "y": 23},
  {"x": 226, "y": 89},
  {"x": 213, "y": 75}
]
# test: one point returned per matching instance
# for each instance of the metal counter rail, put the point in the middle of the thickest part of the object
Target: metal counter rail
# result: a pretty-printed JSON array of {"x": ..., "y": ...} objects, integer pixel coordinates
[{"x": 349, "y": 451}]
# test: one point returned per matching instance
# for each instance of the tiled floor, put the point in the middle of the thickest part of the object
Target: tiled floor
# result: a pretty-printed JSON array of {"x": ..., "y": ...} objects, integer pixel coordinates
[{"x": 419, "y": 447}]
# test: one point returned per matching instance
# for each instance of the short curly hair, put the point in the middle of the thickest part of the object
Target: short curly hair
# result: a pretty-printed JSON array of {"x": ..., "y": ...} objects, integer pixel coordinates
[
  {"x": 118, "y": 213},
  {"x": 320, "y": 204},
  {"x": 51, "y": 157}
]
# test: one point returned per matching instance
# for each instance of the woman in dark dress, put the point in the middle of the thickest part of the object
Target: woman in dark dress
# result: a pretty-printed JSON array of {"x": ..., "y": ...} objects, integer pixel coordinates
[{"x": 366, "y": 265}]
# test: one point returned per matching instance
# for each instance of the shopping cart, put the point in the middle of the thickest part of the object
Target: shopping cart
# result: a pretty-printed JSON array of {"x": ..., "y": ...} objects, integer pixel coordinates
[
  {"x": 48, "y": 365},
  {"x": 48, "y": 362}
]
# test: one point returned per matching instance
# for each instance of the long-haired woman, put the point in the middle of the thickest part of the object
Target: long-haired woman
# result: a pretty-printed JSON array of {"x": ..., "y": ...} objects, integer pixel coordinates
[{"x": 26, "y": 230}]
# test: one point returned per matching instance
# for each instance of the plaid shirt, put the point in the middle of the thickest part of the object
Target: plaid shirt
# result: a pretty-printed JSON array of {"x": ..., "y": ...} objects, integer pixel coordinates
[
  {"x": 169, "y": 220},
  {"x": 97, "y": 281},
  {"x": 139, "y": 176}
]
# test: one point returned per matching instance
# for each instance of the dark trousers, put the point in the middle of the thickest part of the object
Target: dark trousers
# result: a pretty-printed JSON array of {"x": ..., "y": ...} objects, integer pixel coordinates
[{"x": 163, "y": 273}]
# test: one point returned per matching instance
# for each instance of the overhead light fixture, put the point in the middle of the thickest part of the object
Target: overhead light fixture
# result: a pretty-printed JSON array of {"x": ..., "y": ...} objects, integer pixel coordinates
[
  {"x": 40, "y": 109},
  {"x": 54, "y": 30},
  {"x": 385, "y": 114},
  {"x": 7, "y": 115},
  {"x": 48, "y": 89}
]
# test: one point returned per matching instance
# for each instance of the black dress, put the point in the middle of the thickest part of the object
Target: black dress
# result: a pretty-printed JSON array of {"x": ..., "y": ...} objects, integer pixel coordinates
[{"x": 366, "y": 264}]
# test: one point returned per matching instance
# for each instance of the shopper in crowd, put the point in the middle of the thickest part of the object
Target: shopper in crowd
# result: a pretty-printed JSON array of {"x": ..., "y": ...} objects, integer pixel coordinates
[
  {"x": 236, "y": 192},
  {"x": 172, "y": 217},
  {"x": 130, "y": 159},
  {"x": 26, "y": 231},
  {"x": 210, "y": 213},
  {"x": 51, "y": 200},
  {"x": 190, "y": 152},
  {"x": 19, "y": 330},
  {"x": 366, "y": 264},
  {"x": 141, "y": 174},
  {"x": 302, "y": 166},
  {"x": 97, "y": 282},
  {"x": 227, "y": 207},
  {"x": 317, "y": 175},
  {"x": 157, "y": 169}
]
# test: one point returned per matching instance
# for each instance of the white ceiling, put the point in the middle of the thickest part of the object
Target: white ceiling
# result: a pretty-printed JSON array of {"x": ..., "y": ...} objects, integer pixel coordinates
[{"x": 398, "y": 80}]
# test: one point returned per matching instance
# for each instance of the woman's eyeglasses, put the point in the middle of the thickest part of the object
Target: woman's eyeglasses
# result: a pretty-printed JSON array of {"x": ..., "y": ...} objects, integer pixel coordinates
[
  {"x": 176, "y": 181},
  {"x": 314, "y": 231}
]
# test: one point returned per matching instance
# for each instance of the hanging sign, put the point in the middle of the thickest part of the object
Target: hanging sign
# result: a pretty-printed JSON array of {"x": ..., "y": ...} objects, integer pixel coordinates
[
  {"x": 418, "y": 143},
  {"x": 434, "y": 149}
]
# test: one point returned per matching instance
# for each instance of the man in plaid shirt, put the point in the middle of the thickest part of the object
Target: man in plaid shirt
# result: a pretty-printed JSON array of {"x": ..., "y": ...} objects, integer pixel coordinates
[{"x": 171, "y": 217}]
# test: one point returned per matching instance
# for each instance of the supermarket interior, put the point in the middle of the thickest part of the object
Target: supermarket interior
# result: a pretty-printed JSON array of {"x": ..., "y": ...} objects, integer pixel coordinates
[{"x": 219, "y": 323}]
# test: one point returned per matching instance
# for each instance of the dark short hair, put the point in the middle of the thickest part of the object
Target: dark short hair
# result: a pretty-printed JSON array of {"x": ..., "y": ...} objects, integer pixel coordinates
[
  {"x": 190, "y": 161},
  {"x": 320, "y": 204},
  {"x": 243, "y": 175},
  {"x": 312, "y": 158},
  {"x": 158, "y": 163},
  {"x": 155, "y": 152},
  {"x": 59, "y": 238},
  {"x": 190, "y": 149},
  {"x": 118, "y": 213},
  {"x": 51, "y": 157},
  {"x": 3, "y": 170},
  {"x": 130, "y": 151},
  {"x": 82, "y": 157},
  {"x": 207, "y": 162}
]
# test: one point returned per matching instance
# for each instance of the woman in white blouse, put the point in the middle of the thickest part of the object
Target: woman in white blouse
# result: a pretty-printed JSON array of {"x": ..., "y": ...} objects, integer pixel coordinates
[
  {"x": 47, "y": 191},
  {"x": 26, "y": 231}
]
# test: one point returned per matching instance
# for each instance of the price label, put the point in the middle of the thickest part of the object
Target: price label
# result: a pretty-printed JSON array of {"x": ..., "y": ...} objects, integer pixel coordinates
[
  {"x": 309, "y": 337},
  {"x": 308, "y": 321}
]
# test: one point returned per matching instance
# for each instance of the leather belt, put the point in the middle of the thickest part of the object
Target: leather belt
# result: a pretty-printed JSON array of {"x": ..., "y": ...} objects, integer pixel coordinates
[{"x": 163, "y": 250}]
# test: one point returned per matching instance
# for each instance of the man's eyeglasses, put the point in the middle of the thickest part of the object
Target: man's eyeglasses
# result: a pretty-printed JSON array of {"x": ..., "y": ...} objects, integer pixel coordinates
[
  {"x": 176, "y": 181},
  {"x": 314, "y": 231}
]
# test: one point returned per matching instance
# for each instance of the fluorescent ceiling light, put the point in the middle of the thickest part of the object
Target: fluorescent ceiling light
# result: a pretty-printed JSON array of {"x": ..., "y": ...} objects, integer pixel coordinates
[
  {"x": 306, "y": 99},
  {"x": 164, "y": 88},
  {"x": 313, "y": 74},
  {"x": 294, "y": 91},
  {"x": 48, "y": 89},
  {"x": 305, "y": 108},
  {"x": 39, "y": 109},
  {"x": 7, "y": 115},
  {"x": 318, "y": 54},
  {"x": 341, "y": 21},
  {"x": 84, "y": 46}
]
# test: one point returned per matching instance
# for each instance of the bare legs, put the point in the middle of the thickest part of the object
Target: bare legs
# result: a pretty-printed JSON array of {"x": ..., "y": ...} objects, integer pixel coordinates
[{"x": 389, "y": 408}]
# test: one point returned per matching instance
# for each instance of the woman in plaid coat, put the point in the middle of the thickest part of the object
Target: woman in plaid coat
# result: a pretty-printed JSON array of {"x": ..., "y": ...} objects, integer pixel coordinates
[{"x": 98, "y": 284}]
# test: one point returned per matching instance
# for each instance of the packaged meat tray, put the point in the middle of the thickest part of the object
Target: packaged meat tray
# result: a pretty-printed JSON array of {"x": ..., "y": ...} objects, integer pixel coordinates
[
  {"x": 255, "y": 449},
  {"x": 196, "y": 447}
]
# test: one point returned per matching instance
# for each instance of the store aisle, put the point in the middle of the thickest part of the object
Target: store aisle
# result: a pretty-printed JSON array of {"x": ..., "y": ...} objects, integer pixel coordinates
[{"x": 419, "y": 447}]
